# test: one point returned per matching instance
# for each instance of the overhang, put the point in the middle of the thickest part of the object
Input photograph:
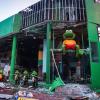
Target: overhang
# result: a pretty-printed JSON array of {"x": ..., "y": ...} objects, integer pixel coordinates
[{"x": 10, "y": 26}]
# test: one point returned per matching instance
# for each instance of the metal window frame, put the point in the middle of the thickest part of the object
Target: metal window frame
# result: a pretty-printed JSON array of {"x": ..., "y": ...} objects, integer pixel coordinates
[{"x": 56, "y": 12}]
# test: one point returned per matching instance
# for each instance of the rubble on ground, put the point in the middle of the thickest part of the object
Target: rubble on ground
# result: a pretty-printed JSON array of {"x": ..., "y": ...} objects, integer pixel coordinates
[
  {"x": 66, "y": 92},
  {"x": 77, "y": 90}
]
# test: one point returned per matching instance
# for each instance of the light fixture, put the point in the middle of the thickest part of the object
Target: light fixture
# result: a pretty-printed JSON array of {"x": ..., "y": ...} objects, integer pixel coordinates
[{"x": 34, "y": 37}]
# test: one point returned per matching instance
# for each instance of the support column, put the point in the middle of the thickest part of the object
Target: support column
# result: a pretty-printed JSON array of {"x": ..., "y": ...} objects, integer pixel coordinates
[
  {"x": 48, "y": 44},
  {"x": 44, "y": 56},
  {"x": 13, "y": 59}
]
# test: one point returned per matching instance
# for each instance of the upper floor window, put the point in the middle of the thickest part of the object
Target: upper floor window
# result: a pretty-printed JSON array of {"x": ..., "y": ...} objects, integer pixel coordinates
[
  {"x": 97, "y": 1},
  {"x": 98, "y": 33},
  {"x": 94, "y": 51}
]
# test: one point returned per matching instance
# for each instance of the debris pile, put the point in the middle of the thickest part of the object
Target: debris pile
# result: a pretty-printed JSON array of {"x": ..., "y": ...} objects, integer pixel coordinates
[
  {"x": 77, "y": 90},
  {"x": 40, "y": 94},
  {"x": 65, "y": 92},
  {"x": 6, "y": 91}
]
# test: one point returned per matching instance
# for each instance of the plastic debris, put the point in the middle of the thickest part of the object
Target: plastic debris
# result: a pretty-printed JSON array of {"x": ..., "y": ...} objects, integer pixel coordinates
[
  {"x": 2, "y": 85},
  {"x": 57, "y": 82}
]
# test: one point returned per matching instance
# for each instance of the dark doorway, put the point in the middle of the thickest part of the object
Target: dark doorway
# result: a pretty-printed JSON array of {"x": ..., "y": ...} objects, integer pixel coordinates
[{"x": 27, "y": 53}]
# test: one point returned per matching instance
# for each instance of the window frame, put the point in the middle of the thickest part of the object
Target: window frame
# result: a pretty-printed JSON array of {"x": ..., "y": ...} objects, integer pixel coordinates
[
  {"x": 94, "y": 51},
  {"x": 98, "y": 26},
  {"x": 97, "y": 1}
]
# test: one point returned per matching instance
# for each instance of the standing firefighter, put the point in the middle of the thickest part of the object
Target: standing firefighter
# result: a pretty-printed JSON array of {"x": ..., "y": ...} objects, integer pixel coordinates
[
  {"x": 24, "y": 78},
  {"x": 17, "y": 77},
  {"x": 34, "y": 76},
  {"x": 6, "y": 71}
]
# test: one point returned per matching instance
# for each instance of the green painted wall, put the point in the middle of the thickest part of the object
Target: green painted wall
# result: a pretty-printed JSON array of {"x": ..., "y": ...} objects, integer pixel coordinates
[
  {"x": 17, "y": 23},
  {"x": 93, "y": 11},
  {"x": 93, "y": 18},
  {"x": 10, "y": 25},
  {"x": 95, "y": 66}
]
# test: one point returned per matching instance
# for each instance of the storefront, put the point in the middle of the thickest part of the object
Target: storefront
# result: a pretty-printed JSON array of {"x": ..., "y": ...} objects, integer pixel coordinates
[{"x": 40, "y": 28}]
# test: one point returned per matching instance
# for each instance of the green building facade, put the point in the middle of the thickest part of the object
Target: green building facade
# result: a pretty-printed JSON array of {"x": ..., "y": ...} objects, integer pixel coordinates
[
  {"x": 13, "y": 25},
  {"x": 93, "y": 22}
]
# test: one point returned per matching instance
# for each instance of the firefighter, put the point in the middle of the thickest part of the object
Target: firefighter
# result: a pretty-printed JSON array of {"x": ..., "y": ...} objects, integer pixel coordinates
[
  {"x": 34, "y": 76},
  {"x": 24, "y": 80},
  {"x": 17, "y": 77}
]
